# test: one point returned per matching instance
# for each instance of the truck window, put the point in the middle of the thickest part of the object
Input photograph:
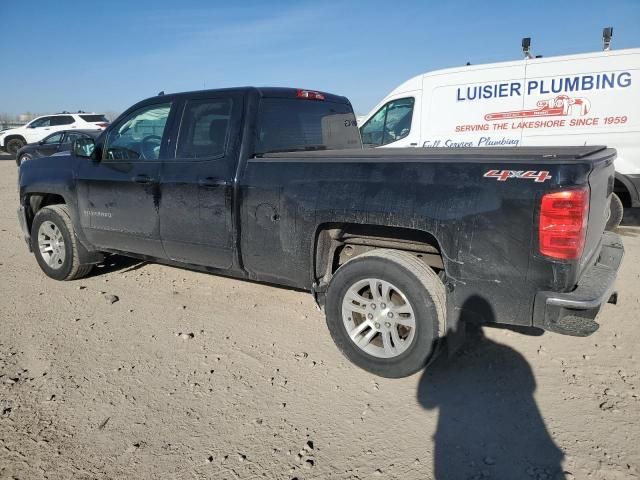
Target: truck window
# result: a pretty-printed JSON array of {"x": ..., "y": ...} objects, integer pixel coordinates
[
  {"x": 291, "y": 124},
  {"x": 139, "y": 135},
  {"x": 389, "y": 124},
  {"x": 204, "y": 126}
]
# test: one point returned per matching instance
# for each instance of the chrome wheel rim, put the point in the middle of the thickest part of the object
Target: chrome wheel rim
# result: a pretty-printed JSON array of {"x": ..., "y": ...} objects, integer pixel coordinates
[
  {"x": 378, "y": 318},
  {"x": 51, "y": 245}
]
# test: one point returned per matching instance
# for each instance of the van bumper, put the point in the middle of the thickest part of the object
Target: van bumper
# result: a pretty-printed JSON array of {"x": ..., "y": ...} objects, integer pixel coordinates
[{"x": 573, "y": 313}]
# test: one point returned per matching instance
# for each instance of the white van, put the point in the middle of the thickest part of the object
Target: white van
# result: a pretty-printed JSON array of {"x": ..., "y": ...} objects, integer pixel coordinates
[{"x": 591, "y": 98}]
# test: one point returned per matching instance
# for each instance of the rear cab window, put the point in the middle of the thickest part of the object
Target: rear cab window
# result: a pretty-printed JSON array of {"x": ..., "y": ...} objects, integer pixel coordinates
[{"x": 299, "y": 124}]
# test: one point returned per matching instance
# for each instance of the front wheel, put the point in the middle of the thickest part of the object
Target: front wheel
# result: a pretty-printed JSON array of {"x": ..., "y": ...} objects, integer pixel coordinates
[
  {"x": 54, "y": 244},
  {"x": 25, "y": 157},
  {"x": 386, "y": 310}
]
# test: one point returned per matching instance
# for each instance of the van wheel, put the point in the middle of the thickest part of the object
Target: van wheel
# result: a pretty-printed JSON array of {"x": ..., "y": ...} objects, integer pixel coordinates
[
  {"x": 14, "y": 145},
  {"x": 616, "y": 211},
  {"x": 386, "y": 311},
  {"x": 54, "y": 244}
]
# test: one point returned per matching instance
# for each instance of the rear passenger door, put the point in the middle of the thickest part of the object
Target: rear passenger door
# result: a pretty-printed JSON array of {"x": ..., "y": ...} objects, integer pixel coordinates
[{"x": 197, "y": 182}]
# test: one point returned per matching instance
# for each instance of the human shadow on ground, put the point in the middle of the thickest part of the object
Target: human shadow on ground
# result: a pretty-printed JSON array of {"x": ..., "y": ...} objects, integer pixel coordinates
[{"x": 489, "y": 426}]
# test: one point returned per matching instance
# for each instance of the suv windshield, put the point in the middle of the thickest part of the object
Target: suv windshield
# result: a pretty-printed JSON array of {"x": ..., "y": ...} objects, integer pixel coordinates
[{"x": 291, "y": 124}]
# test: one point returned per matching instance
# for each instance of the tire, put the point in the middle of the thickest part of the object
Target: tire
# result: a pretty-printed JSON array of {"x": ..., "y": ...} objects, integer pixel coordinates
[
  {"x": 24, "y": 158},
  {"x": 413, "y": 286},
  {"x": 616, "y": 211},
  {"x": 14, "y": 145},
  {"x": 56, "y": 225}
]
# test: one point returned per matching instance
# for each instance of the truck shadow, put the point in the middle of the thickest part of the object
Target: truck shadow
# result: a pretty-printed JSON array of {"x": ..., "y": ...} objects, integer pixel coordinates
[
  {"x": 489, "y": 425},
  {"x": 6, "y": 156},
  {"x": 116, "y": 263}
]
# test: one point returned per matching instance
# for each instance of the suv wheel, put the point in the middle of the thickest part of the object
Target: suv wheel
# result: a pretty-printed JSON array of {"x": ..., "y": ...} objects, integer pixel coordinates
[
  {"x": 386, "y": 311},
  {"x": 14, "y": 145},
  {"x": 54, "y": 244}
]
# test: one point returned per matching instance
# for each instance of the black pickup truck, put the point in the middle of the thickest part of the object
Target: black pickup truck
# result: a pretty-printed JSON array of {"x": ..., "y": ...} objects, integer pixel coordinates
[{"x": 397, "y": 245}]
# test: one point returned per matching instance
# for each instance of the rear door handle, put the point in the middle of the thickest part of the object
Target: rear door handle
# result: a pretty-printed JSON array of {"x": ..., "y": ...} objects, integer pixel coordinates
[
  {"x": 211, "y": 182},
  {"x": 142, "y": 178}
]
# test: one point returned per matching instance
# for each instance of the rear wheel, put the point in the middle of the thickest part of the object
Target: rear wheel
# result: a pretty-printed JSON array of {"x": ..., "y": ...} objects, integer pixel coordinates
[
  {"x": 14, "y": 145},
  {"x": 54, "y": 244},
  {"x": 386, "y": 310},
  {"x": 616, "y": 211}
]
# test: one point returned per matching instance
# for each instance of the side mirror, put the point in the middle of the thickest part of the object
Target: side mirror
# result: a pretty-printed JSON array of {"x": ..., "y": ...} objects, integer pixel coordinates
[
  {"x": 41, "y": 142},
  {"x": 83, "y": 147}
]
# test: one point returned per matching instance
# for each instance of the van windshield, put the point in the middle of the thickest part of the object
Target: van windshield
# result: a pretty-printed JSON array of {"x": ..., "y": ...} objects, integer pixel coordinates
[{"x": 291, "y": 125}]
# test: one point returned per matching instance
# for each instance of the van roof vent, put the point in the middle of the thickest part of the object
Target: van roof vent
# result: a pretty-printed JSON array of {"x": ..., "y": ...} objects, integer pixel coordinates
[
  {"x": 526, "y": 47},
  {"x": 607, "y": 33}
]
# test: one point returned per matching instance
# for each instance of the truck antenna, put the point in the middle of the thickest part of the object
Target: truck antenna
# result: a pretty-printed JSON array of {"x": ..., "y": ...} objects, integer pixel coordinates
[
  {"x": 607, "y": 33},
  {"x": 526, "y": 47}
]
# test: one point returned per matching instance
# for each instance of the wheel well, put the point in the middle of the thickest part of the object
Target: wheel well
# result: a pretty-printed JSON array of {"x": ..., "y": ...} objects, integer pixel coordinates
[
  {"x": 620, "y": 189},
  {"x": 337, "y": 243},
  {"x": 12, "y": 137},
  {"x": 37, "y": 201}
]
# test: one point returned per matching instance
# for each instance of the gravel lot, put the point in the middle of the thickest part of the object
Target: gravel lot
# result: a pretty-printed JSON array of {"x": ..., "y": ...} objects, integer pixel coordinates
[{"x": 147, "y": 371}]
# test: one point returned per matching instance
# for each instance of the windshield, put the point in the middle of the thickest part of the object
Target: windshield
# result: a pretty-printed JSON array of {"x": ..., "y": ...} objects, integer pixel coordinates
[{"x": 291, "y": 124}]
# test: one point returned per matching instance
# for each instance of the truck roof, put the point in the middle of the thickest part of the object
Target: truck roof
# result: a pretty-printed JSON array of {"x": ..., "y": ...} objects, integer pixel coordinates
[{"x": 270, "y": 92}]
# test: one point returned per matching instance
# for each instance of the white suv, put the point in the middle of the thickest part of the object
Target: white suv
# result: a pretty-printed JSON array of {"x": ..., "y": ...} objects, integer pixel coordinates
[{"x": 14, "y": 139}]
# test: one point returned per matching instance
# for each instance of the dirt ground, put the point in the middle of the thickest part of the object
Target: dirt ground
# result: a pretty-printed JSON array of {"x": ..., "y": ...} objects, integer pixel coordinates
[{"x": 193, "y": 376}]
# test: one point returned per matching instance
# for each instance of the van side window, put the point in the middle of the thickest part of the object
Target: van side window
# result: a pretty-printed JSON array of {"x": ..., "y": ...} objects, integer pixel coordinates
[
  {"x": 204, "y": 127},
  {"x": 389, "y": 124}
]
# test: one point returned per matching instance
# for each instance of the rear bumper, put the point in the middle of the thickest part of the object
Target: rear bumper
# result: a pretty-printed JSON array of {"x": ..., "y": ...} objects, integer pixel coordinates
[{"x": 573, "y": 313}]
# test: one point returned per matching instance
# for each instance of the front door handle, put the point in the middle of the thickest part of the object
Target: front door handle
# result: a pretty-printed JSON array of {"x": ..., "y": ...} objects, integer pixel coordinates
[
  {"x": 211, "y": 182},
  {"x": 142, "y": 178}
]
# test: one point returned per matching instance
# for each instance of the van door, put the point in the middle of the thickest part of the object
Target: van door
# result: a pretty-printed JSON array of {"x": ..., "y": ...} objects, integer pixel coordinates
[
  {"x": 395, "y": 124},
  {"x": 473, "y": 107}
]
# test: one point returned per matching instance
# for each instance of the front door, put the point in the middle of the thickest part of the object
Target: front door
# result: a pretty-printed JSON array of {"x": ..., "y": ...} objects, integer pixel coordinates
[
  {"x": 119, "y": 194},
  {"x": 50, "y": 145},
  {"x": 197, "y": 183}
]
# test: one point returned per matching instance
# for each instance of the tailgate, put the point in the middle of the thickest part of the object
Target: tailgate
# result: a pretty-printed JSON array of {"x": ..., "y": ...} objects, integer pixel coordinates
[{"x": 601, "y": 181}]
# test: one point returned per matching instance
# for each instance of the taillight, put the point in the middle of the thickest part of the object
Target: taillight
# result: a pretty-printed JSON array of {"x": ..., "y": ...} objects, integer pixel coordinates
[
  {"x": 309, "y": 95},
  {"x": 102, "y": 124},
  {"x": 563, "y": 223}
]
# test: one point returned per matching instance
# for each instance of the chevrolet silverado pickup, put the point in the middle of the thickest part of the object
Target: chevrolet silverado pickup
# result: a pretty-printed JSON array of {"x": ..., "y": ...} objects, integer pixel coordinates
[{"x": 273, "y": 185}]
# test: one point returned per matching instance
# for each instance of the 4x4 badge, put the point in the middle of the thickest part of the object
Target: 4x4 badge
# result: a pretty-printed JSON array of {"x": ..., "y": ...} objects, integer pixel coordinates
[{"x": 504, "y": 175}]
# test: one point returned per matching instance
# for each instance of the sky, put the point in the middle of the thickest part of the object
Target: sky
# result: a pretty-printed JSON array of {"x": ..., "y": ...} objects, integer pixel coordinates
[{"x": 105, "y": 55}]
